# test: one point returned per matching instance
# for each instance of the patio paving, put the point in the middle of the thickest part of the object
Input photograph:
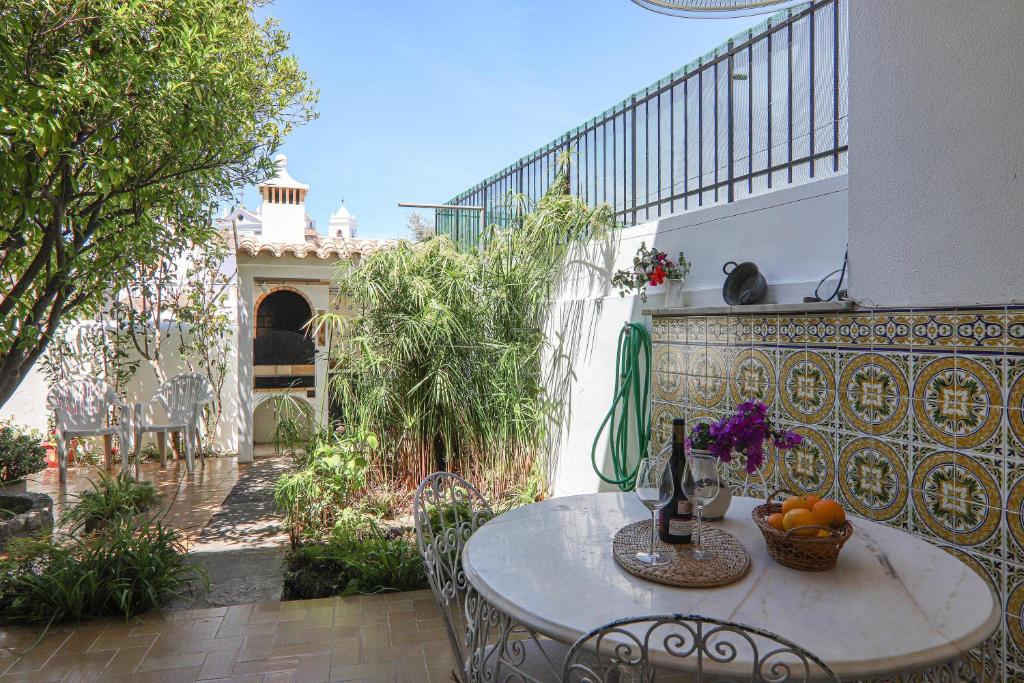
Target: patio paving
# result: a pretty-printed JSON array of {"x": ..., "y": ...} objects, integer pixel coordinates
[
  {"x": 190, "y": 502},
  {"x": 387, "y": 638},
  {"x": 226, "y": 512}
]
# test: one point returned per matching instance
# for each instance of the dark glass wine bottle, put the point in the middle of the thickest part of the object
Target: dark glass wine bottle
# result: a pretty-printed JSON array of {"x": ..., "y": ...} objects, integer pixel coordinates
[{"x": 675, "y": 520}]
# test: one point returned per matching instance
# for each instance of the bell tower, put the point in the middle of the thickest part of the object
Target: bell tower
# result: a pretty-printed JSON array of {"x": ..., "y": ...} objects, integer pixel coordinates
[
  {"x": 342, "y": 224},
  {"x": 283, "y": 210}
]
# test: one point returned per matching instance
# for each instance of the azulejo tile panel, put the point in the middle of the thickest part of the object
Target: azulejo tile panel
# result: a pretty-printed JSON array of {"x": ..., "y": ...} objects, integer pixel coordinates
[
  {"x": 669, "y": 366},
  {"x": 873, "y": 391},
  {"x": 1014, "y": 607},
  {"x": 1015, "y": 402},
  {"x": 811, "y": 466},
  {"x": 935, "y": 329},
  {"x": 807, "y": 385},
  {"x": 911, "y": 417},
  {"x": 1015, "y": 329},
  {"x": 981, "y": 328},
  {"x": 660, "y": 330},
  {"x": 956, "y": 498},
  {"x": 661, "y": 423},
  {"x": 1015, "y": 512},
  {"x": 891, "y": 328},
  {"x": 752, "y": 376},
  {"x": 957, "y": 400},
  {"x": 706, "y": 376},
  {"x": 873, "y": 478}
]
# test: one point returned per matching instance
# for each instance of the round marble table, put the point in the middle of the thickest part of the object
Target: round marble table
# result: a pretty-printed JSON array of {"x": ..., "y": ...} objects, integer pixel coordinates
[{"x": 894, "y": 603}]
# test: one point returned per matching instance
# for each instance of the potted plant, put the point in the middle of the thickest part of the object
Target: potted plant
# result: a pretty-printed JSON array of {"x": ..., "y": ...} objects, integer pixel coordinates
[
  {"x": 743, "y": 434},
  {"x": 21, "y": 454},
  {"x": 651, "y": 268},
  {"x": 50, "y": 448}
]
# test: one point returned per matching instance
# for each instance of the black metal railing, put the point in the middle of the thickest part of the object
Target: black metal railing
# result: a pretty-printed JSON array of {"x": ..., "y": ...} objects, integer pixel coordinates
[{"x": 765, "y": 110}]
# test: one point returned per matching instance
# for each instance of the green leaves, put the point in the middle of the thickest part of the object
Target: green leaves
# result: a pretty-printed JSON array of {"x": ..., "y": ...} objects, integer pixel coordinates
[
  {"x": 123, "y": 124},
  {"x": 443, "y": 359},
  {"x": 332, "y": 468},
  {"x": 124, "y": 571},
  {"x": 111, "y": 500},
  {"x": 21, "y": 453}
]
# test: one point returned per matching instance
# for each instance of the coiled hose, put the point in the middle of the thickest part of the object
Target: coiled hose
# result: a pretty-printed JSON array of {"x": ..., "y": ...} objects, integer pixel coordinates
[{"x": 632, "y": 399}]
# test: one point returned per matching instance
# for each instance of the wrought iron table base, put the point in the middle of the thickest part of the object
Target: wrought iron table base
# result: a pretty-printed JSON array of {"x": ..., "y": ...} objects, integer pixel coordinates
[{"x": 500, "y": 650}]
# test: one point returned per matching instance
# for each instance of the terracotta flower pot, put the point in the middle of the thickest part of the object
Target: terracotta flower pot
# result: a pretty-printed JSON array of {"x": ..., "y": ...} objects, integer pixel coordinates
[{"x": 51, "y": 453}]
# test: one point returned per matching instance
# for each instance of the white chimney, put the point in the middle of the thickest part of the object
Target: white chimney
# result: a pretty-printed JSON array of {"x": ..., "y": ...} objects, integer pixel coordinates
[{"x": 284, "y": 206}]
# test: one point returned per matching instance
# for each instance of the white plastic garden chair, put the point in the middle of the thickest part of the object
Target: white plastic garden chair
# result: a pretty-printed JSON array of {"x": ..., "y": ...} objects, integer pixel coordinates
[
  {"x": 81, "y": 408},
  {"x": 182, "y": 399}
]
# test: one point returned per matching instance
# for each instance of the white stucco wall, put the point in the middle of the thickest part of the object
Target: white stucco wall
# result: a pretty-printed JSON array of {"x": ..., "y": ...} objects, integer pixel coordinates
[
  {"x": 936, "y": 151},
  {"x": 27, "y": 407},
  {"x": 796, "y": 236}
]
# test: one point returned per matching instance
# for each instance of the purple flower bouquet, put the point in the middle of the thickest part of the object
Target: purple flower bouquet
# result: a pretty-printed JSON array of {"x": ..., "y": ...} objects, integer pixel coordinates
[{"x": 745, "y": 433}]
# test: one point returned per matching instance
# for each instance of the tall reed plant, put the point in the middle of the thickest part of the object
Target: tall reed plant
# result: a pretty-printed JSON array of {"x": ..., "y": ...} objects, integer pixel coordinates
[{"x": 440, "y": 351}]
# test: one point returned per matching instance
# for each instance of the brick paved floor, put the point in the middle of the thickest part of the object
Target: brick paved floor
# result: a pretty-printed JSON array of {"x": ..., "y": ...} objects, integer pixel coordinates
[
  {"x": 391, "y": 638},
  {"x": 191, "y": 500},
  {"x": 395, "y": 638}
]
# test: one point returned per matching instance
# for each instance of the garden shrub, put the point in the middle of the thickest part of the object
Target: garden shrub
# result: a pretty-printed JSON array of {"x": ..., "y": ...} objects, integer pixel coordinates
[
  {"x": 384, "y": 502},
  {"x": 358, "y": 557},
  {"x": 443, "y": 357},
  {"x": 21, "y": 453},
  {"x": 123, "y": 571},
  {"x": 110, "y": 499},
  {"x": 329, "y": 472}
]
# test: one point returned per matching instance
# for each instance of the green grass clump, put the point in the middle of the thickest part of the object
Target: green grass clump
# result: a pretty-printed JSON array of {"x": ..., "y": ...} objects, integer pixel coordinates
[
  {"x": 123, "y": 571},
  {"x": 358, "y": 557},
  {"x": 111, "y": 499}
]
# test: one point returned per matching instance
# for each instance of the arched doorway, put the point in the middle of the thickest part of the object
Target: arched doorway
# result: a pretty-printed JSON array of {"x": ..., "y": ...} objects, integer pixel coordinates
[
  {"x": 281, "y": 337},
  {"x": 283, "y": 355}
]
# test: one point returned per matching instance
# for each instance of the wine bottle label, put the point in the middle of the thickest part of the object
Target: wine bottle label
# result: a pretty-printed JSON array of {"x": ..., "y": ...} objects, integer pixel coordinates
[
  {"x": 684, "y": 507},
  {"x": 680, "y": 527}
]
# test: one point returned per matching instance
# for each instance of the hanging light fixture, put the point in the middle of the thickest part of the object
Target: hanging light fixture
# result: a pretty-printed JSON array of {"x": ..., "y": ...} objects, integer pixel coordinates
[{"x": 715, "y": 9}]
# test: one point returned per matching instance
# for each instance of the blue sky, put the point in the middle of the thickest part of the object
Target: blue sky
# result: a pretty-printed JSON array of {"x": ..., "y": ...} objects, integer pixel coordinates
[{"x": 419, "y": 101}]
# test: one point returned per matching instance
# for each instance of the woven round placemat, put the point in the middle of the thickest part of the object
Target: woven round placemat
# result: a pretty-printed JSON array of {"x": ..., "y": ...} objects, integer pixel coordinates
[{"x": 727, "y": 561}]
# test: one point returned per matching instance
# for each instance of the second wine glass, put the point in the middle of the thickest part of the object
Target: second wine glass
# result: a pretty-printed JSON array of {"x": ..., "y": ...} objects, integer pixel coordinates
[{"x": 701, "y": 487}]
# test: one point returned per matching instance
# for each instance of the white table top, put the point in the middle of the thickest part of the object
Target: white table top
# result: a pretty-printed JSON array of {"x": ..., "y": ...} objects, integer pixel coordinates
[{"x": 894, "y": 602}]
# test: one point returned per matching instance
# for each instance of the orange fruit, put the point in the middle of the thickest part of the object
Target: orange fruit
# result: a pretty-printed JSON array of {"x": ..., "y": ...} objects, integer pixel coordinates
[
  {"x": 830, "y": 513},
  {"x": 797, "y": 503},
  {"x": 801, "y": 517},
  {"x": 775, "y": 520},
  {"x": 812, "y": 499}
]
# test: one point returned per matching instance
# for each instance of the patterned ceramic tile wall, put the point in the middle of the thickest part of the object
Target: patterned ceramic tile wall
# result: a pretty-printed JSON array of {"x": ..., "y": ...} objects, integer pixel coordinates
[{"x": 913, "y": 418}]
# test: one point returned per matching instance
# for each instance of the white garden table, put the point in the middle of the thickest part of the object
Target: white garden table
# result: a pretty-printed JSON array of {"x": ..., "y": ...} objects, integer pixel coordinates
[{"x": 894, "y": 604}]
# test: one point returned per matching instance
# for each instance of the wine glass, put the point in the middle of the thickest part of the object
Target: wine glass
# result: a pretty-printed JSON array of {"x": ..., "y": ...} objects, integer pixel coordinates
[
  {"x": 655, "y": 488},
  {"x": 701, "y": 487}
]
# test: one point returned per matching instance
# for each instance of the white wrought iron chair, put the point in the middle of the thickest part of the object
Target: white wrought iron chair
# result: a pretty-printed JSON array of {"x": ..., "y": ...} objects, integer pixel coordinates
[
  {"x": 82, "y": 408},
  {"x": 182, "y": 399},
  {"x": 487, "y": 645},
  {"x": 679, "y": 647}
]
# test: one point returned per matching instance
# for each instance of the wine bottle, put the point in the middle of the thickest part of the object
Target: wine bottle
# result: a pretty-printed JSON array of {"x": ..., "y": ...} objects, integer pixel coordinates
[{"x": 675, "y": 520}]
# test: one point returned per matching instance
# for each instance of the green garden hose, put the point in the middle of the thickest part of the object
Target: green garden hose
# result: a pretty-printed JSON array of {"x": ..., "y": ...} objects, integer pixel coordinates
[{"x": 632, "y": 398}]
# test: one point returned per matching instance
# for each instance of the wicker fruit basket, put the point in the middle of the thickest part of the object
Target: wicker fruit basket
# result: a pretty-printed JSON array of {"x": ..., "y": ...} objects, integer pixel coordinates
[{"x": 806, "y": 553}]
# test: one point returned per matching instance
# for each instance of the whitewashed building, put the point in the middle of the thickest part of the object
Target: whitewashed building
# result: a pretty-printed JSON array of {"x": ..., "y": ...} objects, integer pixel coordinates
[{"x": 281, "y": 272}]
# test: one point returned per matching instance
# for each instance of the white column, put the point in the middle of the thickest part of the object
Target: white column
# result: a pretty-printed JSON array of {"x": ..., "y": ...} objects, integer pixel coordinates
[
  {"x": 246, "y": 306},
  {"x": 320, "y": 298}
]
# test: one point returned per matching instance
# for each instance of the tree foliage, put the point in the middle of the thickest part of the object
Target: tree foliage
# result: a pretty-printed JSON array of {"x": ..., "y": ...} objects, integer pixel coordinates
[{"x": 122, "y": 124}]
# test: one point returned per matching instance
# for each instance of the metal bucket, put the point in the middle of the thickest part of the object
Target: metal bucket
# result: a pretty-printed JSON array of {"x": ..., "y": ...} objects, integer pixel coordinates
[{"x": 744, "y": 284}]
